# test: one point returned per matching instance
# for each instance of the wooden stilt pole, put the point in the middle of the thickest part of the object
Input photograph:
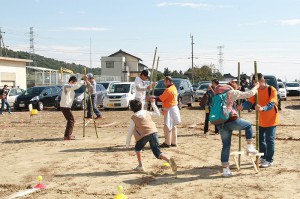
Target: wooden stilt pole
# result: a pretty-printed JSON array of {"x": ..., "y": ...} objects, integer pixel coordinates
[
  {"x": 257, "y": 118},
  {"x": 93, "y": 118},
  {"x": 151, "y": 78},
  {"x": 84, "y": 103},
  {"x": 239, "y": 102}
]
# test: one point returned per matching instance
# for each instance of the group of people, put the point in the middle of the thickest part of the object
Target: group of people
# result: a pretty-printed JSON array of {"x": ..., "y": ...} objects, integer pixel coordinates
[{"x": 144, "y": 130}]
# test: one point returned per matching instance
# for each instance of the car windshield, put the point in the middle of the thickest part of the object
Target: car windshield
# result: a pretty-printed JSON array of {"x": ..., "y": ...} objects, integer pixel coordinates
[
  {"x": 280, "y": 85},
  {"x": 272, "y": 82},
  {"x": 120, "y": 88},
  {"x": 161, "y": 85},
  {"x": 105, "y": 84},
  {"x": 292, "y": 84},
  {"x": 203, "y": 86},
  {"x": 34, "y": 91},
  {"x": 80, "y": 90}
]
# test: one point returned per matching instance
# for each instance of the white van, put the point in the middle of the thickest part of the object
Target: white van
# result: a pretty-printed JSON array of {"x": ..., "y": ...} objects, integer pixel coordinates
[{"x": 119, "y": 95}]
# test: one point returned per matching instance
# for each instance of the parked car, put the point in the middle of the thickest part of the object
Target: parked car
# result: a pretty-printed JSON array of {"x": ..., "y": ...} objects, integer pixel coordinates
[
  {"x": 271, "y": 80},
  {"x": 78, "y": 102},
  {"x": 12, "y": 94},
  {"x": 39, "y": 97},
  {"x": 195, "y": 86},
  {"x": 282, "y": 91},
  {"x": 201, "y": 91},
  {"x": 292, "y": 88},
  {"x": 107, "y": 84},
  {"x": 184, "y": 88},
  {"x": 119, "y": 95}
]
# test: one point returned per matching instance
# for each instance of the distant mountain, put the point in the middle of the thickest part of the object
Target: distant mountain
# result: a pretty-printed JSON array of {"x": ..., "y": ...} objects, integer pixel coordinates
[{"x": 52, "y": 63}]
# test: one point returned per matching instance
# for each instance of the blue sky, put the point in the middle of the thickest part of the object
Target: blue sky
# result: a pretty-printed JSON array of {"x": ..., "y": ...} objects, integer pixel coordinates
[{"x": 266, "y": 31}]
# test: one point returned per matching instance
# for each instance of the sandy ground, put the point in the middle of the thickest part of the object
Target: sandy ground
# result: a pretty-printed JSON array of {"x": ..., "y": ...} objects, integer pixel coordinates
[{"x": 93, "y": 168}]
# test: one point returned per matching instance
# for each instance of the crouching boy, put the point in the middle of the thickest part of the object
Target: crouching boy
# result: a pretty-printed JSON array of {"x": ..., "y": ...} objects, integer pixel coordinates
[{"x": 144, "y": 130}]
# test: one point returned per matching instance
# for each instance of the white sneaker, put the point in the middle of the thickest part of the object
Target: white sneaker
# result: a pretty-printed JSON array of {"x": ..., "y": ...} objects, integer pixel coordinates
[
  {"x": 139, "y": 168},
  {"x": 251, "y": 149},
  {"x": 266, "y": 164},
  {"x": 226, "y": 172},
  {"x": 261, "y": 160}
]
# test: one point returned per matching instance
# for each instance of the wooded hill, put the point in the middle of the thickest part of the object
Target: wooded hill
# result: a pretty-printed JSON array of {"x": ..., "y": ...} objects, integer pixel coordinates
[{"x": 51, "y": 63}]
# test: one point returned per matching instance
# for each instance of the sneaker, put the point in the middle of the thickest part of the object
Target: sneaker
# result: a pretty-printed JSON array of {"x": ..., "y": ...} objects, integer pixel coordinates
[
  {"x": 99, "y": 118},
  {"x": 251, "y": 149},
  {"x": 173, "y": 165},
  {"x": 10, "y": 112},
  {"x": 164, "y": 145},
  {"x": 139, "y": 168},
  {"x": 266, "y": 164},
  {"x": 226, "y": 172},
  {"x": 173, "y": 145},
  {"x": 261, "y": 160}
]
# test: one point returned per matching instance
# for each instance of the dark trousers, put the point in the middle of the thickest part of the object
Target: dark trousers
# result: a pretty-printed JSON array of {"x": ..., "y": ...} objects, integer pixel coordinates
[
  {"x": 94, "y": 104},
  {"x": 267, "y": 142},
  {"x": 70, "y": 120},
  {"x": 206, "y": 124}
]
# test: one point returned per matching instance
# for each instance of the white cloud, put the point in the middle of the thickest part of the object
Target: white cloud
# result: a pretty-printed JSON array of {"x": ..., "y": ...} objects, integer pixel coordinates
[
  {"x": 255, "y": 23},
  {"x": 290, "y": 22},
  {"x": 97, "y": 29},
  {"x": 192, "y": 5}
]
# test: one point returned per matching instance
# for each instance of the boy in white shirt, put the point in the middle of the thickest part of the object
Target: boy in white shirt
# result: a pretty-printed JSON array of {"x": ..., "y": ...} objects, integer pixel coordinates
[{"x": 67, "y": 98}]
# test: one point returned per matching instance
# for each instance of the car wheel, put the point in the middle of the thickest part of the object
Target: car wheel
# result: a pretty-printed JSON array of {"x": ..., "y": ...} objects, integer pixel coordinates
[
  {"x": 179, "y": 103},
  {"x": 40, "y": 106}
]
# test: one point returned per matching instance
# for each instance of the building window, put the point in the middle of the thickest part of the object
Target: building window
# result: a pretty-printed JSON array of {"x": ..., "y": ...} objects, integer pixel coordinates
[{"x": 110, "y": 64}]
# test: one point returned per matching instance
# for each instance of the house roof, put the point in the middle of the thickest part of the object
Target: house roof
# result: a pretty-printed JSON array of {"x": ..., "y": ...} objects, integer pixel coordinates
[
  {"x": 141, "y": 64},
  {"x": 123, "y": 52},
  {"x": 15, "y": 59}
]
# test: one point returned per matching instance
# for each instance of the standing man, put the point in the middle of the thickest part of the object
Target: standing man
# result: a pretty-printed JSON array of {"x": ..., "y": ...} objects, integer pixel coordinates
[
  {"x": 141, "y": 87},
  {"x": 91, "y": 87},
  {"x": 4, "y": 93},
  {"x": 206, "y": 100},
  {"x": 268, "y": 119},
  {"x": 67, "y": 98},
  {"x": 171, "y": 113}
]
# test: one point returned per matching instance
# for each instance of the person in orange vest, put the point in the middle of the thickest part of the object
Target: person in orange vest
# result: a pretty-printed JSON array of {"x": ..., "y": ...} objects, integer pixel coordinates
[
  {"x": 171, "y": 113},
  {"x": 268, "y": 119}
]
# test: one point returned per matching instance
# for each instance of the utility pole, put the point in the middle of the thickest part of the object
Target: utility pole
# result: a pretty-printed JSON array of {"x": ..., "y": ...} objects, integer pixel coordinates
[
  {"x": 90, "y": 52},
  {"x": 221, "y": 69},
  {"x": 2, "y": 46},
  {"x": 31, "y": 50},
  {"x": 193, "y": 74}
]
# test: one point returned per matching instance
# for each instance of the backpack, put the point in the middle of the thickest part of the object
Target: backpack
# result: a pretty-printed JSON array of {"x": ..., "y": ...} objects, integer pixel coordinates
[{"x": 218, "y": 109}]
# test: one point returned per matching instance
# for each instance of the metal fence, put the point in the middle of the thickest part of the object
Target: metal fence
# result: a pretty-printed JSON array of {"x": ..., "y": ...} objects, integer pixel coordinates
[{"x": 37, "y": 76}]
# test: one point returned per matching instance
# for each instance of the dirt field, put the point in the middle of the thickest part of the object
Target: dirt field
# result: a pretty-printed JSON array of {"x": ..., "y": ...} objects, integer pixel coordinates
[{"x": 93, "y": 168}]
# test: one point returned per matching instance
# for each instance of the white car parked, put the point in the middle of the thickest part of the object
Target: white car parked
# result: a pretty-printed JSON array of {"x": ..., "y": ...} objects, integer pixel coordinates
[
  {"x": 292, "y": 88},
  {"x": 282, "y": 91},
  {"x": 119, "y": 95},
  {"x": 12, "y": 94}
]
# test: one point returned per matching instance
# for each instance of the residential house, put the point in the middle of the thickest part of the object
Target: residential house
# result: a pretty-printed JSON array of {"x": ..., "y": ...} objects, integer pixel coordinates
[{"x": 122, "y": 64}]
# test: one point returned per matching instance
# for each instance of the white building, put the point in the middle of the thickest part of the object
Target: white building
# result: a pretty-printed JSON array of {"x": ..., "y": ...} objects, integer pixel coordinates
[
  {"x": 122, "y": 64},
  {"x": 13, "y": 72}
]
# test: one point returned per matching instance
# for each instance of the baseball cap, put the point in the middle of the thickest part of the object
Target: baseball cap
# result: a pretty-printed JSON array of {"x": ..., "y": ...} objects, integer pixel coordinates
[{"x": 90, "y": 75}]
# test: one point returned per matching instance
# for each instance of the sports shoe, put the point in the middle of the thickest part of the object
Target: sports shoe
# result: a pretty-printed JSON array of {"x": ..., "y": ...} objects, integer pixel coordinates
[
  {"x": 226, "y": 172},
  {"x": 261, "y": 160},
  {"x": 266, "y": 164},
  {"x": 173, "y": 165},
  {"x": 173, "y": 145},
  {"x": 139, "y": 168},
  {"x": 164, "y": 145},
  {"x": 251, "y": 149},
  {"x": 10, "y": 112}
]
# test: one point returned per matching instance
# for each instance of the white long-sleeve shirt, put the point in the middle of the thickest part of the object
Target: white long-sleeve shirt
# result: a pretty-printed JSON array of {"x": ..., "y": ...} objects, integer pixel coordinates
[
  {"x": 141, "y": 88},
  {"x": 140, "y": 114},
  {"x": 67, "y": 95}
]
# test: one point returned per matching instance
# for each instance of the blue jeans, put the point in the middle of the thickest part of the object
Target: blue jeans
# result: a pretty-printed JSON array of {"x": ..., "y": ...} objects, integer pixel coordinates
[
  {"x": 89, "y": 107},
  {"x": 267, "y": 142},
  {"x": 5, "y": 102},
  {"x": 154, "y": 144},
  {"x": 226, "y": 132}
]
